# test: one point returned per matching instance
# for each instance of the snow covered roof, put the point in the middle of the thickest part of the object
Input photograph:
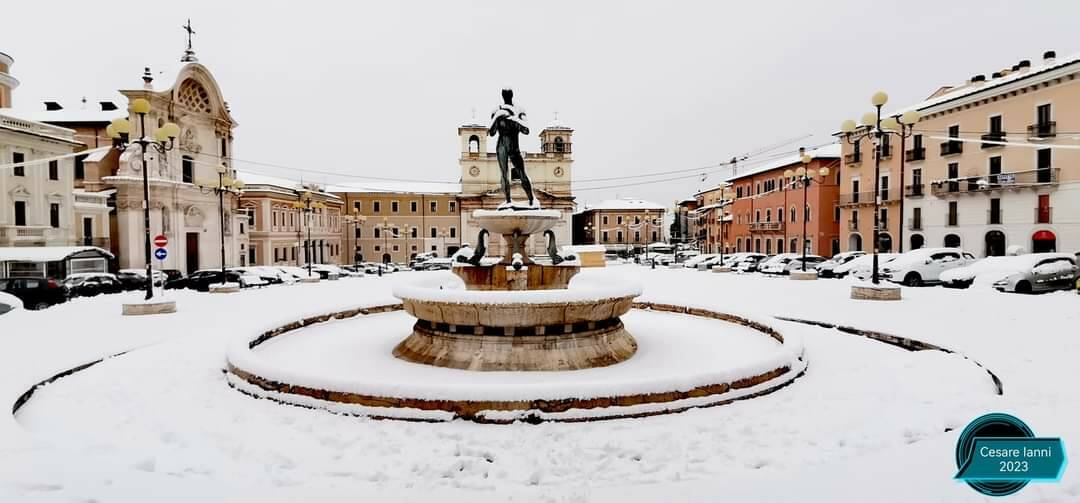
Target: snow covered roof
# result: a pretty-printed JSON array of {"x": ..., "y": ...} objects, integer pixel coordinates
[
  {"x": 45, "y": 253},
  {"x": 15, "y": 121},
  {"x": 623, "y": 204},
  {"x": 78, "y": 111},
  {"x": 830, "y": 151}
]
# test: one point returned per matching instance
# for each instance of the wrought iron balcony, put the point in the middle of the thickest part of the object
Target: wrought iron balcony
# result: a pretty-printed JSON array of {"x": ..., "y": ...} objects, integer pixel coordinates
[
  {"x": 951, "y": 147},
  {"x": 915, "y": 154},
  {"x": 853, "y": 158},
  {"x": 1043, "y": 129},
  {"x": 767, "y": 226},
  {"x": 998, "y": 136},
  {"x": 557, "y": 148},
  {"x": 1014, "y": 180},
  {"x": 867, "y": 197}
]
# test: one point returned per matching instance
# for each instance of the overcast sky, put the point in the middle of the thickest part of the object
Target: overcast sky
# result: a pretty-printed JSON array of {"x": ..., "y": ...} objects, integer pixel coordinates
[{"x": 379, "y": 88}]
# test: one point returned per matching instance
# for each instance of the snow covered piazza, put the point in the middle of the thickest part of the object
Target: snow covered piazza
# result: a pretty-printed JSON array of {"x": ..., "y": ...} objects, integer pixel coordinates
[{"x": 886, "y": 389}]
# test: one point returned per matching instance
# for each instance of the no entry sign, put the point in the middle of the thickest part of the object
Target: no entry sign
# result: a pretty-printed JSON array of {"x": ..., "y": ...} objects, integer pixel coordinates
[{"x": 160, "y": 241}]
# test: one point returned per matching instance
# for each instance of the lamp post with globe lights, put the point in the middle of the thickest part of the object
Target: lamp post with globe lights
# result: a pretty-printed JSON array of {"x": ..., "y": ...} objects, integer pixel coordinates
[
  {"x": 804, "y": 176},
  {"x": 225, "y": 184},
  {"x": 163, "y": 141},
  {"x": 902, "y": 125},
  {"x": 307, "y": 204}
]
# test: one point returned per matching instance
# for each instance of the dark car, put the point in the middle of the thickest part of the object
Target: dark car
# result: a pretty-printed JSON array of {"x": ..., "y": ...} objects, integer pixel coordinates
[
  {"x": 201, "y": 280},
  {"x": 35, "y": 293},
  {"x": 89, "y": 285},
  {"x": 172, "y": 274}
]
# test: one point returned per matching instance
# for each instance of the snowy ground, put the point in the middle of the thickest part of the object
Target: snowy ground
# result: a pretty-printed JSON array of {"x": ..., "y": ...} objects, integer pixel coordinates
[{"x": 866, "y": 423}]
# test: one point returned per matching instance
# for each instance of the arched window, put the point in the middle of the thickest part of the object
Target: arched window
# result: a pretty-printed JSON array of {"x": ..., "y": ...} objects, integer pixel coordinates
[
  {"x": 768, "y": 247},
  {"x": 793, "y": 216},
  {"x": 806, "y": 213},
  {"x": 738, "y": 244},
  {"x": 855, "y": 242},
  {"x": 757, "y": 216},
  {"x": 780, "y": 214},
  {"x": 560, "y": 146},
  {"x": 952, "y": 241},
  {"x": 474, "y": 144},
  {"x": 917, "y": 241},
  {"x": 768, "y": 215}
]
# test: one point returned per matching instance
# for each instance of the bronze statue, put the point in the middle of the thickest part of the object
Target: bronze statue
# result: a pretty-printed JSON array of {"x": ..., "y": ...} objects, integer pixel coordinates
[{"x": 508, "y": 121}]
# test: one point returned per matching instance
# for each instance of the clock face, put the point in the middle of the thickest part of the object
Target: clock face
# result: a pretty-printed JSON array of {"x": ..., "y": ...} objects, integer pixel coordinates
[
  {"x": 474, "y": 171},
  {"x": 558, "y": 171}
]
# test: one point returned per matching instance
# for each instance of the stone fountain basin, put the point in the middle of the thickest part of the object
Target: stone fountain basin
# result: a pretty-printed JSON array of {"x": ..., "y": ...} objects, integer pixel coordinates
[
  {"x": 587, "y": 299},
  {"x": 501, "y": 222}
]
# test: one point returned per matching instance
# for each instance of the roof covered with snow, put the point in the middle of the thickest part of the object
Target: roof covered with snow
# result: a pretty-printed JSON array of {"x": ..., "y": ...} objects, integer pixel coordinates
[
  {"x": 623, "y": 204},
  {"x": 45, "y": 253},
  {"x": 77, "y": 111},
  {"x": 830, "y": 151}
]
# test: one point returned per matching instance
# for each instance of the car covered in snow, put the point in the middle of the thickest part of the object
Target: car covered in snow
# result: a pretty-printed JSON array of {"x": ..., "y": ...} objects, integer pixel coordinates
[
  {"x": 796, "y": 264},
  {"x": 693, "y": 262},
  {"x": 862, "y": 267},
  {"x": 1034, "y": 273},
  {"x": 776, "y": 264},
  {"x": 826, "y": 268},
  {"x": 748, "y": 262},
  {"x": 925, "y": 265},
  {"x": 89, "y": 284}
]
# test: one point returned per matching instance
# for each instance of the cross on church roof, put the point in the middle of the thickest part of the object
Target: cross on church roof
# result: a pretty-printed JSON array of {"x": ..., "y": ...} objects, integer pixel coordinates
[{"x": 189, "y": 54}]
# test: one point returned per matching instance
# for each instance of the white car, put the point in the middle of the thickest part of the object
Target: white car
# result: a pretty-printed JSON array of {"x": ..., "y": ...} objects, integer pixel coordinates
[
  {"x": 826, "y": 268},
  {"x": 776, "y": 264},
  {"x": 925, "y": 265},
  {"x": 661, "y": 258},
  {"x": 862, "y": 267},
  {"x": 796, "y": 264},
  {"x": 693, "y": 262},
  {"x": 991, "y": 271}
]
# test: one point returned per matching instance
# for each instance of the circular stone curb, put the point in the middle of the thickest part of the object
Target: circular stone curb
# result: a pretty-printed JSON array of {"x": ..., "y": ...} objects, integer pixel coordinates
[{"x": 568, "y": 409}]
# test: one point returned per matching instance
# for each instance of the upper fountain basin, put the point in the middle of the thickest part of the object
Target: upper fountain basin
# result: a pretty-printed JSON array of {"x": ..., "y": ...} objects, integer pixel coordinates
[{"x": 523, "y": 221}]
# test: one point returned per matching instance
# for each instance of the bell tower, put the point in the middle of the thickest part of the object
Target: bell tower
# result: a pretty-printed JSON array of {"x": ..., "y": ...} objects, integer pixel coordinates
[
  {"x": 473, "y": 140},
  {"x": 7, "y": 82}
]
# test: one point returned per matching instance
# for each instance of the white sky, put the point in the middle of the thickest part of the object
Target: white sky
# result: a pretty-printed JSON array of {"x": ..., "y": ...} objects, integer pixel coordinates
[{"x": 379, "y": 88}]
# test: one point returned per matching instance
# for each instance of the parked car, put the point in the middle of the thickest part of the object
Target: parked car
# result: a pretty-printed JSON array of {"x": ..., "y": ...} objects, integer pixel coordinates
[
  {"x": 269, "y": 277},
  {"x": 172, "y": 274},
  {"x": 661, "y": 258},
  {"x": 135, "y": 279},
  {"x": 796, "y": 264},
  {"x": 201, "y": 280},
  {"x": 862, "y": 267},
  {"x": 420, "y": 258},
  {"x": 1034, "y": 272},
  {"x": 693, "y": 262},
  {"x": 90, "y": 284},
  {"x": 925, "y": 265},
  {"x": 826, "y": 268},
  {"x": 438, "y": 264},
  {"x": 9, "y": 303},
  {"x": 35, "y": 293},
  {"x": 1058, "y": 272},
  {"x": 748, "y": 262},
  {"x": 776, "y": 264}
]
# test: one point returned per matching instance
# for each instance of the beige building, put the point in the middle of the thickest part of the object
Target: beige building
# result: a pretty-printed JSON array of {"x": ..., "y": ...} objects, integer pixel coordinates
[
  {"x": 624, "y": 225},
  {"x": 549, "y": 170},
  {"x": 39, "y": 202},
  {"x": 395, "y": 222},
  {"x": 983, "y": 170},
  {"x": 711, "y": 219},
  {"x": 281, "y": 234}
]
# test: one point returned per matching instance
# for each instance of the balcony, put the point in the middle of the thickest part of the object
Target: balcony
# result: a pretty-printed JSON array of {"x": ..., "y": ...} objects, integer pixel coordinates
[
  {"x": 14, "y": 235},
  {"x": 915, "y": 154},
  {"x": 853, "y": 225},
  {"x": 866, "y": 197},
  {"x": 853, "y": 158},
  {"x": 1044, "y": 215},
  {"x": 766, "y": 226},
  {"x": 951, "y": 148},
  {"x": 886, "y": 151},
  {"x": 556, "y": 148},
  {"x": 914, "y": 224},
  {"x": 993, "y": 217},
  {"x": 914, "y": 190},
  {"x": 1014, "y": 180},
  {"x": 998, "y": 136},
  {"x": 1043, "y": 130}
]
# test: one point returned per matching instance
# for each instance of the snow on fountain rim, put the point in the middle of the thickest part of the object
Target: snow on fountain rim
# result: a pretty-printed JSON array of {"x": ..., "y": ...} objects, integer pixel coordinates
[
  {"x": 587, "y": 286},
  {"x": 502, "y": 386}
]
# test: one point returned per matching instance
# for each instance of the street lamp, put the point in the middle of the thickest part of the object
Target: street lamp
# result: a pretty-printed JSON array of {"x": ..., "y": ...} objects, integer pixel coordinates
[
  {"x": 405, "y": 229},
  {"x": 385, "y": 231},
  {"x": 307, "y": 204},
  {"x": 164, "y": 140},
  {"x": 902, "y": 125},
  {"x": 876, "y": 131},
  {"x": 224, "y": 184},
  {"x": 805, "y": 176},
  {"x": 356, "y": 219}
]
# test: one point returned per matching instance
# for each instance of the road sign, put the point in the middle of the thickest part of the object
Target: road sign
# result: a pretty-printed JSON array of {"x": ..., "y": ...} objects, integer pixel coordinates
[
  {"x": 160, "y": 254},
  {"x": 160, "y": 241}
]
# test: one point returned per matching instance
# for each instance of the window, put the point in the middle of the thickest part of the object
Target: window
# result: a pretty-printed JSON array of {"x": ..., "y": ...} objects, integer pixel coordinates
[
  {"x": 952, "y": 216},
  {"x": 1043, "y": 211},
  {"x": 854, "y": 190},
  {"x": 604, "y": 219},
  {"x": 1042, "y": 115},
  {"x": 393, "y": 206},
  {"x": 619, "y": 236},
  {"x": 794, "y": 217},
  {"x": 885, "y": 188},
  {"x": 453, "y": 232},
  {"x": 605, "y": 239},
  {"x": 637, "y": 219},
  {"x": 1042, "y": 166},
  {"x": 20, "y": 213},
  {"x": 836, "y": 213},
  {"x": 916, "y": 219},
  {"x": 187, "y": 164},
  {"x": 359, "y": 232},
  {"x": 757, "y": 216},
  {"x": 413, "y": 206},
  {"x": 395, "y": 232},
  {"x": 885, "y": 145},
  {"x": 433, "y": 206},
  {"x": 916, "y": 182},
  {"x": 376, "y": 207},
  {"x": 618, "y": 220},
  {"x": 434, "y": 232},
  {"x": 916, "y": 142},
  {"x": 995, "y": 169},
  {"x": 414, "y": 232},
  {"x": 768, "y": 215},
  {"x": 738, "y": 192},
  {"x": 780, "y": 214},
  {"x": 54, "y": 170},
  {"x": 953, "y": 174},
  {"x": 883, "y": 220},
  {"x": 995, "y": 211},
  {"x": 378, "y": 232},
  {"x": 16, "y": 158},
  {"x": 452, "y": 205},
  {"x": 356, "y": 206},
  {"x": 855, "y": 218},
  {"x": 995, "y": 125},
  {"x": 806, "y": 213},
  {"x": 637, "y": 236},
  {"x": 80, "y": 167}
]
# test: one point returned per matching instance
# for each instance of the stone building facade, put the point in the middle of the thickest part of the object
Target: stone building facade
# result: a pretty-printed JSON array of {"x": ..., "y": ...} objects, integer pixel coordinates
[
  {"x": 623, "y": 226},
  {"x": 280, "y": 234},
  {"x": 394, "y": 223}
]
